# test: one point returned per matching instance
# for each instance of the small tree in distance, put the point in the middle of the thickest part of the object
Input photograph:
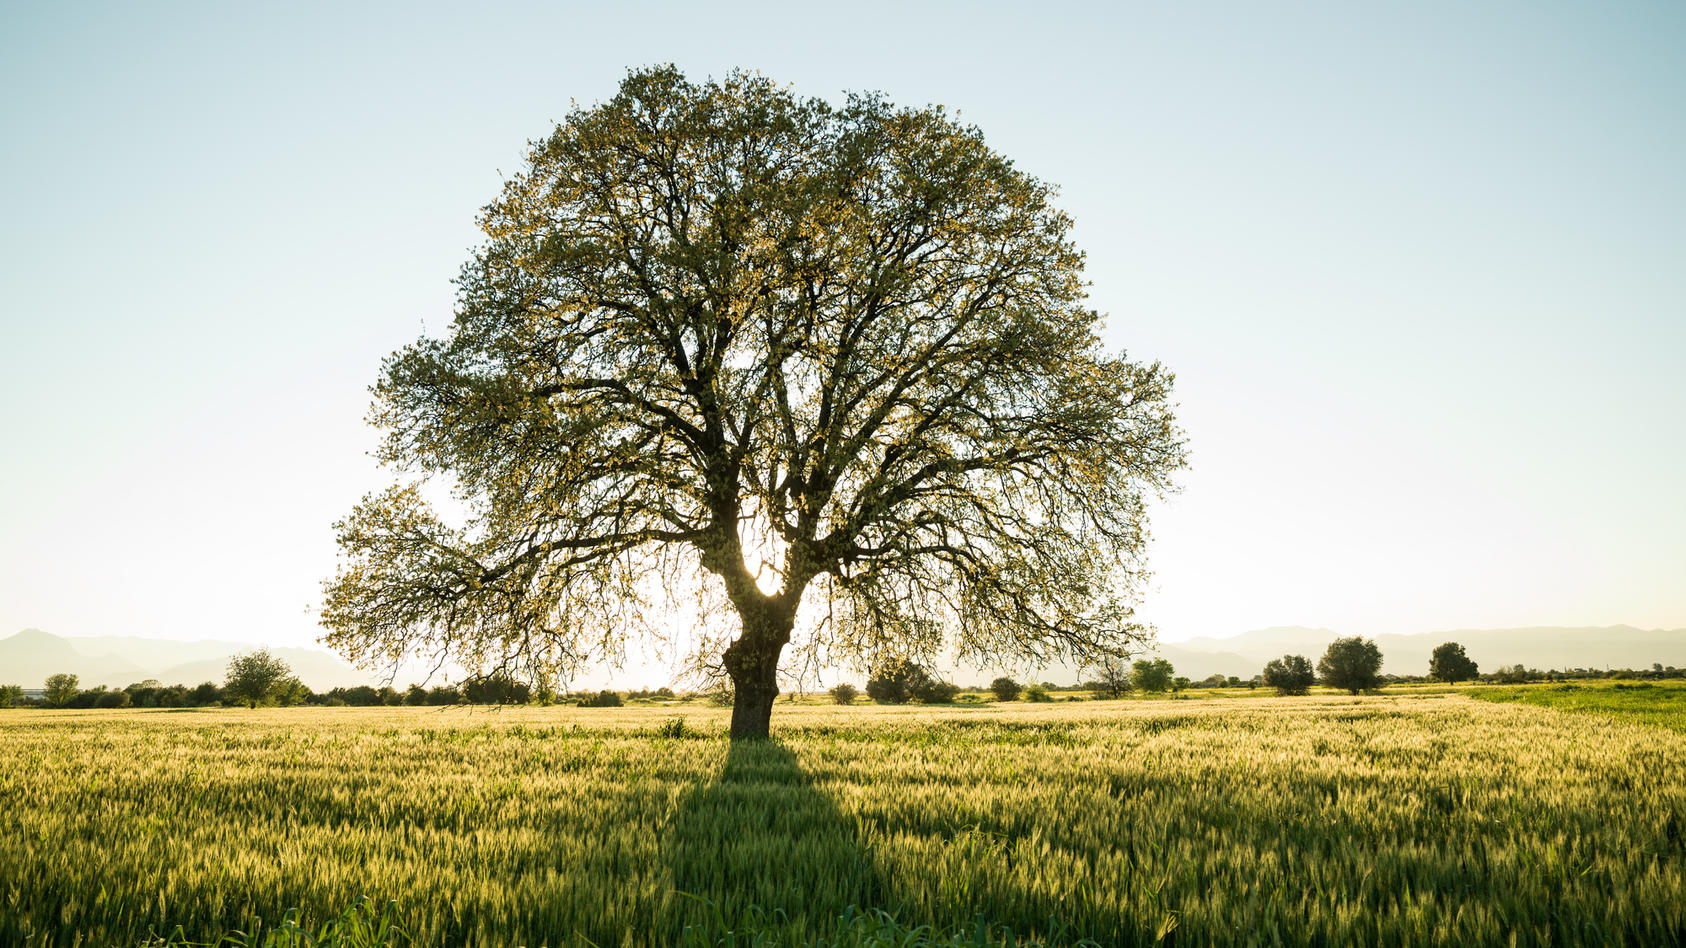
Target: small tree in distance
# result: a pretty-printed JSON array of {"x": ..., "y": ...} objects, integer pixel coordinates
[
  {"x": 1290, "y": 675},
  {"x": 1515, "y": 675},
  {"x": 935, "y": 691},
  {"x": 256, "y": 678},
  {"x": 1005, "y": 689},
  {"x": 61, "y": 688},
  {"x": 896, "y": 682},
  {"x": 1354, "y": 664},
  {"x": 1112, "y": 677},
  {"x": 497, "y": 688},
  {"x": 1152, "y": 675},
  {"x": 1451, "y": 665},
  {"x": 844, "y": 693}
]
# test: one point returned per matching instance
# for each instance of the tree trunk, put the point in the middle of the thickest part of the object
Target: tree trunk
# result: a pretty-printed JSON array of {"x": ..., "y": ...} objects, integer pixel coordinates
[{"x": 753, "y": 663}]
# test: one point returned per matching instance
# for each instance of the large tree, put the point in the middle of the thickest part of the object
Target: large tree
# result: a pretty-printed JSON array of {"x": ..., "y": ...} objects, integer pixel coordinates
[{"x": 795, "y": 351}]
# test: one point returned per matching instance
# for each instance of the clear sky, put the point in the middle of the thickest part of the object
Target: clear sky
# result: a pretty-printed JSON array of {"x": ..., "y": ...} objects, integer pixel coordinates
[{"x": 1421, "y": 272}]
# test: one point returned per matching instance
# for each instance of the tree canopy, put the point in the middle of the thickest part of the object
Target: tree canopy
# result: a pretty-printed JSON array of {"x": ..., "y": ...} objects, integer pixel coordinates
[
  {"x": 60, "y": 688},
  {"x": 1354, "y": 664},
  {"x": 1152, "y": 674},
  {"x": 1290, "y": 675},
  {"x": 259, "y": 677},
  {"x": 767, "y": 350},
  {"x": 897, "y": 682},
  {"x": 1450, "y": 664}
]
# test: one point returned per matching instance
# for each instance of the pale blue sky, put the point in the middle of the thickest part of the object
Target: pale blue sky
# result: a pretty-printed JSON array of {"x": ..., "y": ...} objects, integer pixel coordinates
[{"x": 1421, "y": 270}]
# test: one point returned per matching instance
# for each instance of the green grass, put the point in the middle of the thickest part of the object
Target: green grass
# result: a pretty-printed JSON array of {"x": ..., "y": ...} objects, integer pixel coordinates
[
  {"x": 1662, "y": 703},
  {"x": 1382, "y": 820}
]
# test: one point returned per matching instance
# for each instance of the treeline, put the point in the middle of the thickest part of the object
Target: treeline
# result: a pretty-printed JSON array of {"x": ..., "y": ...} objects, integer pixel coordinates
[
  {"x": 1503, "y": 675},
  {"x": 1351, "y": 664},
  {"x": 1354, "y": 664},
  {"x": 64, "y": 691},
  {"x": 1520, "y": 674},
  {"x": 904, "y": 682}
]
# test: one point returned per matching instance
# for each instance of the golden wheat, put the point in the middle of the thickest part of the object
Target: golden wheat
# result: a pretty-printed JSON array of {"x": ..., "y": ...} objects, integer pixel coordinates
[{"x": 1418, "y": 820}]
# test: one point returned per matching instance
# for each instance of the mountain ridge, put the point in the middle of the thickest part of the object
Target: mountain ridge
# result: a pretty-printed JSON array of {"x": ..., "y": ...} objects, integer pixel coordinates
[{"x": 29, "y": 656}]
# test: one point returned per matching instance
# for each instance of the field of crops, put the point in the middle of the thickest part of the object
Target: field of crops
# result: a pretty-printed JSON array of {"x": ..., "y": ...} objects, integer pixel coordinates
[
  {"x": 1662, "y": 703},
  {"x": 1388, "y": 820}
]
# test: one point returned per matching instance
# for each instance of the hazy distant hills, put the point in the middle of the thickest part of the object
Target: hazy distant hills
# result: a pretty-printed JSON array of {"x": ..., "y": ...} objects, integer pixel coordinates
[
  {"x": 28, "y": 657},
  {"x": 1617, "y": 646}
]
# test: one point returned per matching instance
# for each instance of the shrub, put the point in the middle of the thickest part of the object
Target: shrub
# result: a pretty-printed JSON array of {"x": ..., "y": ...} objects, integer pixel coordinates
[
  {"x": 292, "y": 692},
  {"x": 1290, "y": 675},
  {"x": 1514, "y": 675},
  {"x": 646, "y": 694},
  {"x": 1152, "y": 674},
  {"x": 897, "y": 682},
  {"x": 499, "y": 688},
  {"x": 144, "y": 694},
  {"x": 602, "y": 699},
  {"x": 673, "y": 728},
  {"x": 86, "y": 699},
  {"x": 11, "y": 696},
  {"x": 932, "y": 691},
  {"x": 1037, "y": 693},
  {"x": 1006, "y": 689},
  {"x": 444, "y": 694},
  {"x": 844, "y": 693},
  {"x": 113, "y": 699}
]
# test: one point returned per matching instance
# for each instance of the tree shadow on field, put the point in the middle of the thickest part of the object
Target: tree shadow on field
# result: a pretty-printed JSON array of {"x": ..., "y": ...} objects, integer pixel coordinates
[{"x": 761, "y": 849}]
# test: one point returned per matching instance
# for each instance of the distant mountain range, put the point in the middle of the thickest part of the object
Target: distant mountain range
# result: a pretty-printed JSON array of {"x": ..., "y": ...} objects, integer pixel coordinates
[
  {"x": 28, "y": 657},
  {"x": 1616, "y": 646}
]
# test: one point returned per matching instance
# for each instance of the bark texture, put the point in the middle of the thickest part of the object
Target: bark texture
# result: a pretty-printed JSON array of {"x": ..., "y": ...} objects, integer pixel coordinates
[{"x": 753, "y": 664}]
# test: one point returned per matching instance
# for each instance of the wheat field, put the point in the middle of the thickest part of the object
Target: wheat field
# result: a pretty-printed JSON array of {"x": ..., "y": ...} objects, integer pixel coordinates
[{"x": 1427, "y": 819}]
